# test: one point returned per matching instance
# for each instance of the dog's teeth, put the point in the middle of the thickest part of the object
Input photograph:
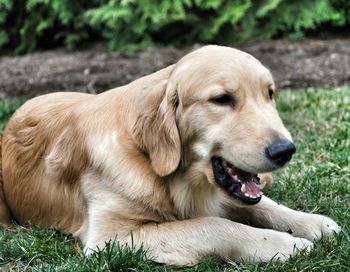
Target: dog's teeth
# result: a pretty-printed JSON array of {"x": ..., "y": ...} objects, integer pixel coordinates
[
  {"x": 243, "y": 188},
  {"x": 246, "y": 194}
]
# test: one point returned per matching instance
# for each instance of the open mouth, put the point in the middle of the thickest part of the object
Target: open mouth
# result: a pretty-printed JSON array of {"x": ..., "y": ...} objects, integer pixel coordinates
[{"x": 236, "y": 182}]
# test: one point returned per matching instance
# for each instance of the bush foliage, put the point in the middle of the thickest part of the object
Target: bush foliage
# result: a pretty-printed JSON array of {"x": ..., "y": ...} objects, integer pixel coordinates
[{"x": 26, "y": 25}]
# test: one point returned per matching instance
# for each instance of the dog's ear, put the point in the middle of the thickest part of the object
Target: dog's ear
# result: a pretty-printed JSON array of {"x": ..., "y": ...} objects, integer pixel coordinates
[{"x": 157, "y": 133}]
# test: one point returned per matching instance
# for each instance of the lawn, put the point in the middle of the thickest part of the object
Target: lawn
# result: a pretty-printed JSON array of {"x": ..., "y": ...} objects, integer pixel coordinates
[{"x": 317, "y": 180}]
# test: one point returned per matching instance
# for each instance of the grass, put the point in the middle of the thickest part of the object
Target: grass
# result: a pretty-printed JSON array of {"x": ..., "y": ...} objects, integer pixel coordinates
[{"x": 317, "y": 180}]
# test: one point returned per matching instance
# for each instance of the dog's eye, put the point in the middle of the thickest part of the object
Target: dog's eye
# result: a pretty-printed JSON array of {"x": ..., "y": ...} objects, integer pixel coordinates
[
  {"x": 224, "y": 99},
  {"x": 271, "y": 93}
]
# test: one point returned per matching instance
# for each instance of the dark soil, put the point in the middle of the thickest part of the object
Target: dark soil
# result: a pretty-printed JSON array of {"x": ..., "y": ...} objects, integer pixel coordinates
[{"x": 308, "y": 63}]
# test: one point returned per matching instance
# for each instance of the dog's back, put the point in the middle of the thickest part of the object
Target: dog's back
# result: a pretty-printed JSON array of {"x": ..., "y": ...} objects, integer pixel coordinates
[{"x": 34, "y": 195}]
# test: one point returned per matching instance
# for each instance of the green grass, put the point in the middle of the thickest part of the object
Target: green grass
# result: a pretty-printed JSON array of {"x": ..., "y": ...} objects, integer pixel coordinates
[{"x": 317, "y": 180}]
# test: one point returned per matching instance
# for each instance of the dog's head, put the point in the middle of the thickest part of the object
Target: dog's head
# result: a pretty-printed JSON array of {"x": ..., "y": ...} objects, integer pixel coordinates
[{"x": 219, "y": 111}]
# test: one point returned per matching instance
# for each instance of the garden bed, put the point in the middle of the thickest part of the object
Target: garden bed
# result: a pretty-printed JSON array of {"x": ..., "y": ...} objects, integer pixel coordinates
[{"x": 308, "y": 63}]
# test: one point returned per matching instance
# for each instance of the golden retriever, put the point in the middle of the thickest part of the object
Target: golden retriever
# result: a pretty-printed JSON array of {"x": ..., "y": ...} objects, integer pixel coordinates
[{"x": 169, "y": 161}]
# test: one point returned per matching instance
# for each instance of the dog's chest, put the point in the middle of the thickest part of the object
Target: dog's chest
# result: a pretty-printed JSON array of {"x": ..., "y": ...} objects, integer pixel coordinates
[{"x": 195, "y": 198}]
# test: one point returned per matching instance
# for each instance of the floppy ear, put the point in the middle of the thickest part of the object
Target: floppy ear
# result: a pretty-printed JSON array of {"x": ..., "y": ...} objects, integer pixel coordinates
[{"x": 157, "y": 133}]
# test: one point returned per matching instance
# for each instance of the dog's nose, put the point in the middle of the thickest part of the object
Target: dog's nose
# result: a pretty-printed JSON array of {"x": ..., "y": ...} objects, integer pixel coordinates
[{"x": 280, "y": 151}]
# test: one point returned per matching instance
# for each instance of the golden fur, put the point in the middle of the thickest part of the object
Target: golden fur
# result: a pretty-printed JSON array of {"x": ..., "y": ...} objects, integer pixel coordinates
[{"x": 136, "y": 160}]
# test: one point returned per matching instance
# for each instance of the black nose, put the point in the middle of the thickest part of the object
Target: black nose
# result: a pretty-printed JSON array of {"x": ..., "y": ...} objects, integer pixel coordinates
[{"x": 280, "y": 151}]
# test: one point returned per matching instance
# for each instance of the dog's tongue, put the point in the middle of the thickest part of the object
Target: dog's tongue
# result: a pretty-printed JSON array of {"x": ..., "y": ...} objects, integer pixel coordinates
[
  {"x": 250, "y": 188},
  {"x": 249, "y": 182}
]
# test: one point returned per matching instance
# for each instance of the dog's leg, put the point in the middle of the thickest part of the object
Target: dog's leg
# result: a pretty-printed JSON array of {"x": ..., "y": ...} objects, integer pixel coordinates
[
  {"x": 189, "y": 241},
  {"x": 269, "y": 214}
]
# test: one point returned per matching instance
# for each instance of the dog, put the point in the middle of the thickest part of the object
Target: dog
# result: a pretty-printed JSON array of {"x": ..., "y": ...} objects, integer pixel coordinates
[{"x": 171, "y": 162}]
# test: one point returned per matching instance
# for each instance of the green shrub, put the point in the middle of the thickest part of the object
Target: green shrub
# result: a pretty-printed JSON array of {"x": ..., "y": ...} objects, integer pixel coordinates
[
  {"x": 26, "y": 25},
  {"x": 7, "y": 108}
]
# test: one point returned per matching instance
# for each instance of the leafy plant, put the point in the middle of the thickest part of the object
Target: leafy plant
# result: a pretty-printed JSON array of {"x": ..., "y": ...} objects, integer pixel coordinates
[
  {"x": 7, "y": 108},
  {"x": 27, "y": 25},
  {"x": 5, "y": 7}
]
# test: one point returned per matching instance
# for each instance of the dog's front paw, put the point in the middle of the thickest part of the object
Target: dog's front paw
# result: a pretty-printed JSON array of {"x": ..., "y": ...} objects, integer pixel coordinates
[
  {"x": 289, "y": 246},
  {"x": 266, "y": 181},
  {"x": 278, "y": 246},
  {"x": 314, "y": 226}
]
